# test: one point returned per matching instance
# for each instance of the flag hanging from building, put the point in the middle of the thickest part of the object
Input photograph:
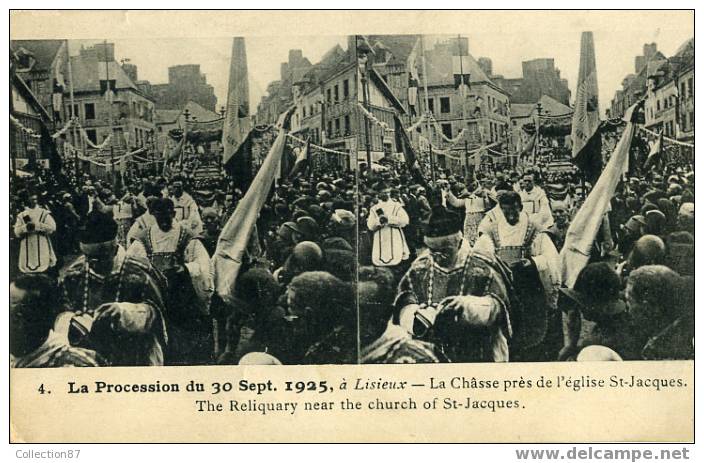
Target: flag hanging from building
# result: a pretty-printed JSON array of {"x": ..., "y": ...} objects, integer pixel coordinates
[
  {"x": 460, "y": 70},
  {"x": 413, "y": 78},
  {"x": 403, "y": 144},
  {"x": 302, "y": 161},
  {"x": 656, "y": 152},
  {"x": 238, "y": 230},
  {"x": 583, "y": 229},
  {"x": 237, "y": 123},
  {"x": 586, "y": 138}
]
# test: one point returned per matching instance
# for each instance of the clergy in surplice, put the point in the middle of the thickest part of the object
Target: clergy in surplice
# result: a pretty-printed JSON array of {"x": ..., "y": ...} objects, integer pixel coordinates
[
  {"x": 386, "y": 220},
  {"x": 34, "y": 227},
  {"x": 456, "y": 298},
  {"x": 535, "y": 202},
  {"x": 174, "y": 250},
  {"x": 476, "y": 203},
  {"x": 520, "y": 240},
  {"x": 185, "y": 206}
]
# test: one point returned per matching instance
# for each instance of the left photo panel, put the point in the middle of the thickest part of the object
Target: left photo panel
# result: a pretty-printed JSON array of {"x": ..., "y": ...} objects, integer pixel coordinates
[{"x": 183, "y": 201}]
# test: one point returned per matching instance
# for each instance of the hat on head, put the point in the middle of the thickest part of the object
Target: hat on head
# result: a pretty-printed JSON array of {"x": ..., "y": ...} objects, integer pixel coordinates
[
  {"x": 98, "y": 227},
  {"x": 597, "y": 353},
  {"x": 443, "y": 223},
  {"x": 307, "y": 226},
  {"x": 343, "y": 218},
  {"x": 686, "y": 210},
  {"x": 259, "y": 358}
]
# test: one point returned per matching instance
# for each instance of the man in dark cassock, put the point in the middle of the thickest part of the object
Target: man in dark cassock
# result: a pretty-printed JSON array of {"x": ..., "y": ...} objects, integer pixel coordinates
[
  {"x": 454, "y": 297},
  {"x": 105, "y": 287}
]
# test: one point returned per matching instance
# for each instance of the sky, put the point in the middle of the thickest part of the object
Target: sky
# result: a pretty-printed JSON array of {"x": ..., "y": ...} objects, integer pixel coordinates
[
  {"x": 508, "y": 39},
  {"x": 264, "y": 57}
]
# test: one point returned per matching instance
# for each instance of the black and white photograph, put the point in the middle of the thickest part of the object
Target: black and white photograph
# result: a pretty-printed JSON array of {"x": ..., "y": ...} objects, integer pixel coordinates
[{"x": 505, "y": 194}]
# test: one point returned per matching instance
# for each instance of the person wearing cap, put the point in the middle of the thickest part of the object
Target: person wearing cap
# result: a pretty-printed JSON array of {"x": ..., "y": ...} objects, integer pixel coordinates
[
  {"x": 34, "y": 227},
  {"x": 465, "y": 291},
  {"x": 663, "y": 330},
  {"x": 594, "y": 313},
  {"x": 175, "y": 251},
  {"x": 386, "y": 221},
  {"x": 685, "y": 217},
  {"x": 104, "y": 274},
  {"x": 185, "y": 206},
  {"x": 630, "y": 232}
]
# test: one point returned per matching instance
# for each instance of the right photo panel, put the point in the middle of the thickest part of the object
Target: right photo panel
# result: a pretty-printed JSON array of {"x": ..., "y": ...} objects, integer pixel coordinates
[{"x": 509, "y": 212}]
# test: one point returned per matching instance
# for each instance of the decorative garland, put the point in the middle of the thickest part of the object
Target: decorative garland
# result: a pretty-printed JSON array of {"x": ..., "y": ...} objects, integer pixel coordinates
[
  {"x": 384, "y": 126},
  {"x": 671, "y": 140},
  {"x": 321, "y": 148},
  {"x": 30, "y": 132},
  {"x": 451, "y": 141},
  {"x": 126, "y": 156},
  {"x": 68, "y": 125},
  {"x": 416, "y": 124},
  {"x": 100, "y": 147}
]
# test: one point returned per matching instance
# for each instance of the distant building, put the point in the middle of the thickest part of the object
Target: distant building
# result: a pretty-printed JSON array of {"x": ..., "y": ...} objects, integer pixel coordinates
[
  {"x": 131, "y": 111},
  {"x": 634, "y": 86},
  {"x": 391, "y": 53},
  {"x": 483, "y": 112},
  {"x": 186, "y": 83},
  {"x": 25, "y": 108},
  {"x": 669, "y": 103},
  {"x": 280, "y": 93},
  {"x": 175, "y": 119},
  {"x": 42, "y": 65},
  {"x": 550, "y": 112},
  {"x": 540, "y": 77}
]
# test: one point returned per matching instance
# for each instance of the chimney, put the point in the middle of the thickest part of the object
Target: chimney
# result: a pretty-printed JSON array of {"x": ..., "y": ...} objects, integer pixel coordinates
[
  {"x": 131, "y": 71},
  {"x": 649, "y": 50},
  {"x": 105, "y": 51},
  {"x": 486, "y": 65}
]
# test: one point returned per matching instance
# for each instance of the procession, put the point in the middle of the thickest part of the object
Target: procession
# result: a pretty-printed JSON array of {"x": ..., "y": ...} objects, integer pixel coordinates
[{"x": 395, "y": 201}]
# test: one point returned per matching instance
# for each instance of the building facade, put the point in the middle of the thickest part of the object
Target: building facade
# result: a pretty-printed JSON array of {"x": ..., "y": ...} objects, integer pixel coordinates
[
  {"x": 126, "y": 112},
  {"x": 634, "y": 86},
  {"x": 186, "y": 83},
  {"x": 43, "y": 66},
  {"x": 669, "y": 103},
  {"x": 539, "y": 77}
]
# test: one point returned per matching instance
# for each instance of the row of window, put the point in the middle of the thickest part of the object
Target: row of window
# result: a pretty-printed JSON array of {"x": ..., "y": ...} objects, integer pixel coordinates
[
  {"x": 334, "y": 128},
  {"x": 445, "y": 106},
  {"x": 120, "y": 110},
  {"x": 333, "y": 94},
  {"x": 687, "y": 125}
]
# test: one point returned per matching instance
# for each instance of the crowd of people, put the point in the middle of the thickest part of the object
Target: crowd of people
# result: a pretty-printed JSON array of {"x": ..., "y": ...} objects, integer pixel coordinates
[
  {"x": 476, "y": 271},
  {"x": 346, "y": 267}
]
